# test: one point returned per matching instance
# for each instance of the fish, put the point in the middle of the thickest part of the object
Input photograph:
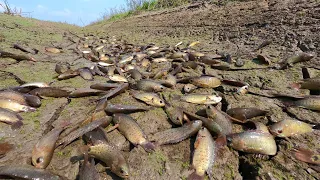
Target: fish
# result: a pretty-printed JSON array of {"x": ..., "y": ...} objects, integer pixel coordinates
[
  {"x": 310, "y": 83},
  {"x": 253, "y": 142},
  {"x": 188, "y": 88},
  {"x": 299, "y": 57},
  {"x": 52, "y": 50},
  {"x": 25, "y": 49},
  {"x": 50, "y": 92},
  {"x": 116, "y": 91},
  {"x": 308, "y": 102},
  {"x": 118, "y": 78},
  {"x": 105, "y": 121},
  {"x": 15, "y": 106},
  {"x": 18, "y": 57},
  {"x": 87, "y": 170},
  {"x": 206, "y": 82},
  {"x": 204, "y": 155},
  {"x": 4, "y": 148},
  {"x": 42, "y": 152},
  {"x": 246, "y": 113},
  {"x": 96, "y": 136},
  {"x": 32, "y": 100},
  {"x": 170, "y": 81},
  {"x": 127, "y": 109},
  {"x": 306, "y": 155},
  {"x": 135, "y": 74},
  {"x": 175, "y": 135},
  {"x": 132, "y": 131},
  {"x": 290, "y": 127},
  {"x": 201, "y": 98},
  {"x": 35, "y": 84},
  {"x": 11, "y": 117},
  {"x": 62, "y": 68},
  {"x": 68, "y": 74},
  {"x": 85, "y": 73},
  {"x": 220, "y": 118},
  {"x": 263, "y": 44},
  {"x": 13, "y": 95},
  {"x": 104, "y": 86},
  {"x": 112, "y": 157},
  {"x": 149, "y": 86},
  {"x": 194, "y": 43},
  {"x": 152, "y": 99},
  {"x": 84, "y": 92},
  {"x": 27, "y": 172},
  {"x": 175, "y": 114},
  {"x": 190, "y": 64}
]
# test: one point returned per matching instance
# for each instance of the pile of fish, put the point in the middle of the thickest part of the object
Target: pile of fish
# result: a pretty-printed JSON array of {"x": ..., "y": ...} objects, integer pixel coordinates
[{"x": 149, "y": 73}]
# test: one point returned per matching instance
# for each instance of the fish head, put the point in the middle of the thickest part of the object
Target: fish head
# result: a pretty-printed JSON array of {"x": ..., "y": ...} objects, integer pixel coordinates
[
  {"x": 120, "y": 168},
  {"x": 213, "y": 99},
  {"x": 159, "y": 88},
  {"x": 39, "y": 160},
  {"x": 277, "y": 130},
  {"x": 158, "y": 102}
]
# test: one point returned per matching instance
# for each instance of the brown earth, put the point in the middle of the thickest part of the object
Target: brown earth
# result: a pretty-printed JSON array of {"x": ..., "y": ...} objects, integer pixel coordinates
[{"x": 237, "y": 28}]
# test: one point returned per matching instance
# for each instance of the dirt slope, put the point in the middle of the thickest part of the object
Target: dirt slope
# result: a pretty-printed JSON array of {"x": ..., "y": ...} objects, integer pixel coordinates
[{"x": 236, "y": 28}]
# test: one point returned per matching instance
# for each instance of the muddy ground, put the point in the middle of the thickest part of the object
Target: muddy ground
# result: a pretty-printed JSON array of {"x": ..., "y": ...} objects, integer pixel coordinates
[{"x": 236, "y": 28}]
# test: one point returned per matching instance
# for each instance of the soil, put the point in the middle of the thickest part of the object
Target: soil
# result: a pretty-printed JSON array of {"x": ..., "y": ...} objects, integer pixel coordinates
[{"x": 235, "y": 27}]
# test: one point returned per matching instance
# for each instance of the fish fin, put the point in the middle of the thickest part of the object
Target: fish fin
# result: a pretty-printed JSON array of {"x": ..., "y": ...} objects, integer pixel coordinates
[
  {"x": 221, "y": 141},
  {"x": 148, "y": 146},
  {"x": 19, "y": 117},
  {"x": 304, "y": 155},
  {"x": 16, "y": 125},
  {"x": 195, "y": 176},
  {"x": 295, "y": 86},
  {"x": 305, "y": 73}
]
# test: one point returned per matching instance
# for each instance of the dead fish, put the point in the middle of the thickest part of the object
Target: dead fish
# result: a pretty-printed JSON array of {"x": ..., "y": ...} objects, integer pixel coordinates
[
  {"x": 175, "y": 114},
  {"x": 263, "y": 59},
  {"x": 27, "y": 172},
  {"x": 87, "y": 169},
  {"x": 32, "y": 100},
  {"x": 132, "y": 131},
  {"x": 13, "y": 95},
  {"x": 190, "y": 64},
  {"x": 18, "y": 57},
  {"x": 84, "y": 92},
  {"x": 175, "y": 135},
  {"x": 206, "y": 82},
  {"x": 253, "y": 142},
  {"x": 201, "y": 98},
  {"x": 43, "y": 151},
  {"x": 149, "y": 86},
  {"x": 68, "y": 74},
  {"x": 135, "y": 74},
  {"x": 306, "y": 155},
  {"x": 62, "y": 68},
  {"x": 116, "y": 91},
  {"x": 11, "y": 117},
  {"x": 234, "y": 83},
  {"x": 288, "y": 127},
  {"x": 246, "y": 113},
  {"x": 35, "y": 84},
  {"x": 118, "y": 78},
  {"x": 152, "y": 99},
  {"x": 310, "y": 83},
  {"x": 15, "y": 106},
  {"x": 96, "y": 136},
  {"x": 81, "y": 131},
  {"x": 194, "y": 43},
  {"x": 4, "y": 148},
  {"x": 170, "y": 81},
  {"x": 85, "y": 73},
  {"x": 188, "y": 88},
  {"x": 308, "y": 102},
  {"x": 111, "y": 157},
  {"x": 263, "y": 44},
  {"x": 204, "y": 155},
  {"x": 243, "y": 90},
  {"x": 160, "y": 59},
  {"x": 220, "y": 118},
  {"x": 208, "y": 60},
  {"x": 260, "y": 126},
  {"x": 52, "y": 50},
  {"x": 104, "y": 86},
  {"x": 126, "y": 109},
  {"x": 25, "y": 49},
  {"x": 300, "y": 57}
]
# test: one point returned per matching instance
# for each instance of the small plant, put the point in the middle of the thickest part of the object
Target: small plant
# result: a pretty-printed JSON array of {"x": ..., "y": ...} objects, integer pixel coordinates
[{"x": 8, "y": 10}]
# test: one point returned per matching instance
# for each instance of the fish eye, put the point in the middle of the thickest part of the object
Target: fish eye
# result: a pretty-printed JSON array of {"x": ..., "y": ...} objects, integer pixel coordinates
[
  {"x": 161, "y": 102},
  {"x": 161, "y": 87},
  {"x": 280, "y": 131},
  {"x": 39, "y": 160}
]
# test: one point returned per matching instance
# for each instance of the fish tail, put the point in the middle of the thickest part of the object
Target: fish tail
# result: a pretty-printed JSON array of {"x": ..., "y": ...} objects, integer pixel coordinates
[
  {"x": 149, "y": 146},
  {"x": 302, "y": 154},
  {"x": 295, "y": 86},
  {"x": 195, "y": 176},
  {"x": 16, "y": 125},
  {"x": 28, "y": 109},
  {"x": 221, "y": 140}
]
